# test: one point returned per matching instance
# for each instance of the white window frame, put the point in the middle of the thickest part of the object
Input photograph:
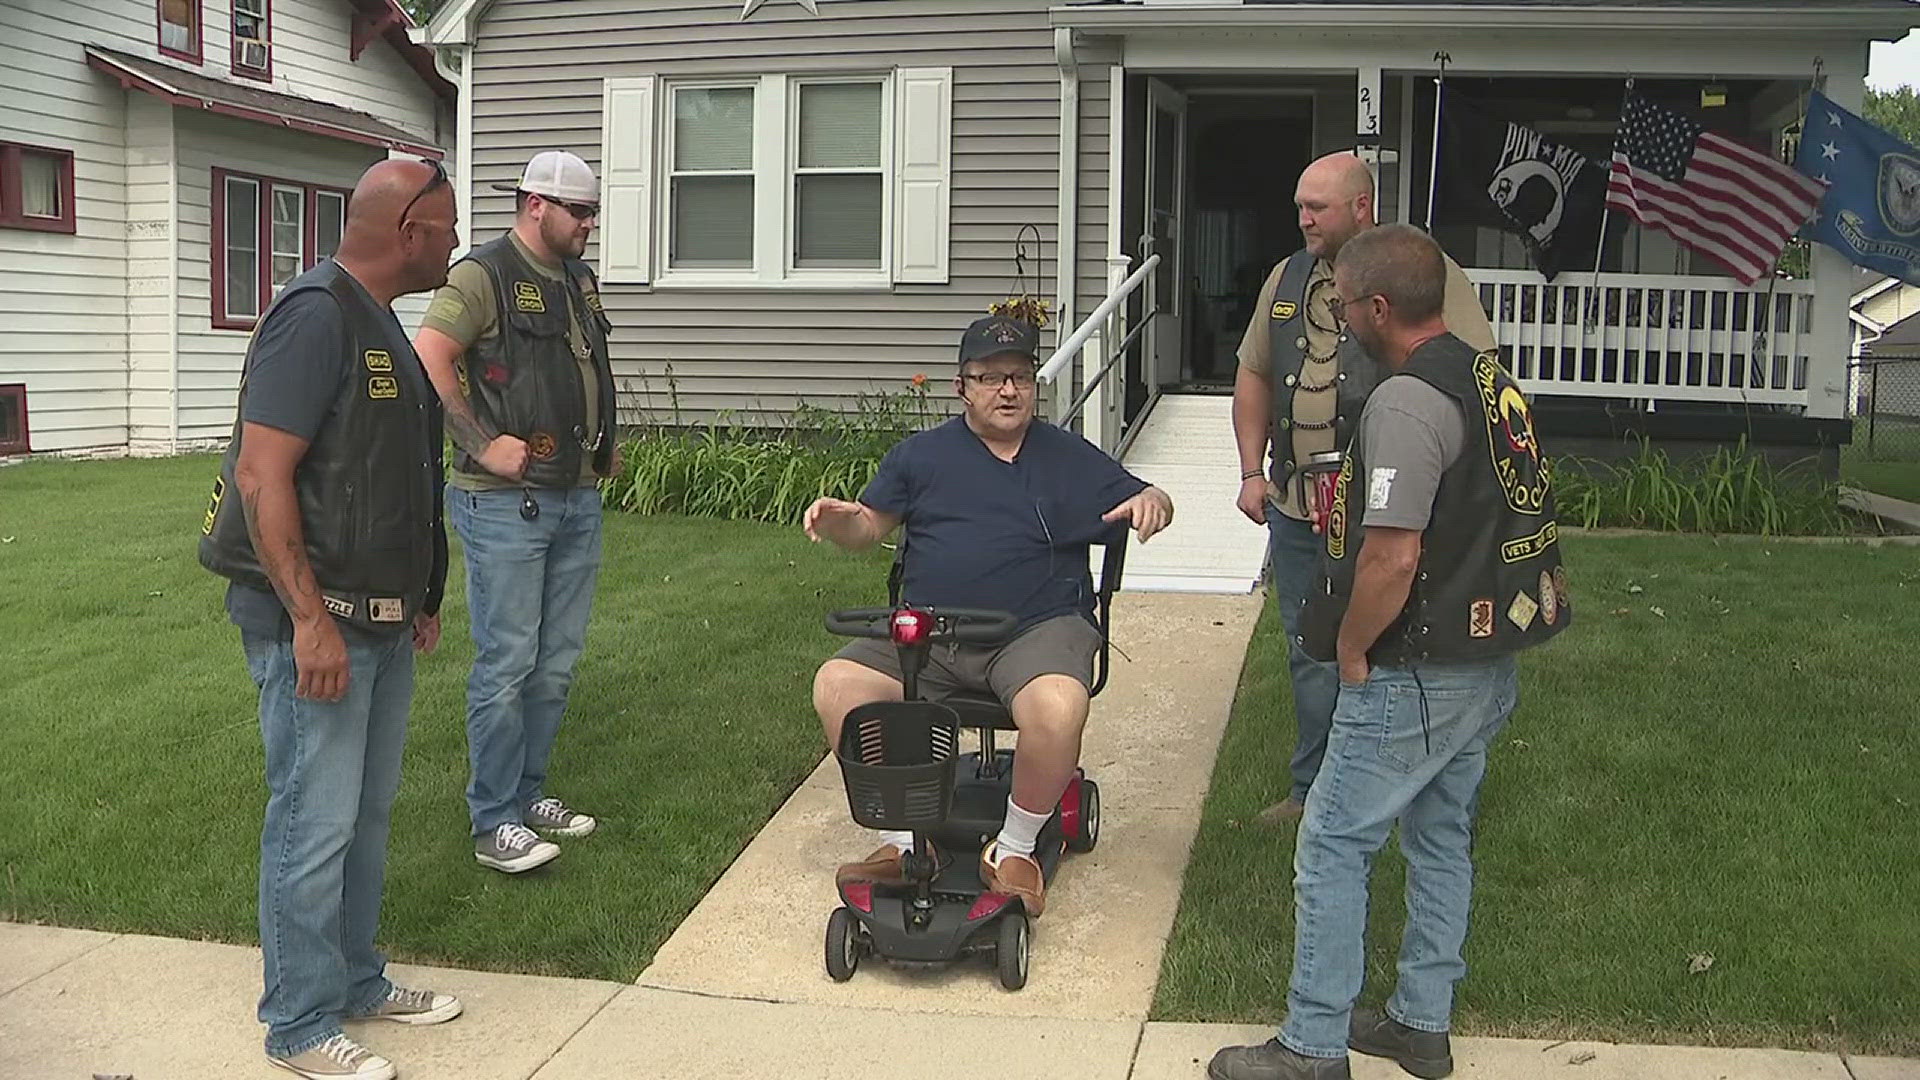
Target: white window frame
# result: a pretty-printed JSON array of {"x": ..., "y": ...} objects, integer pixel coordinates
[
  {"x": 273, "y": 252},
  {"x": 319, "y": 199},
  {"x": 776, "y": 131},
  {"x": 224, "y": 259}
]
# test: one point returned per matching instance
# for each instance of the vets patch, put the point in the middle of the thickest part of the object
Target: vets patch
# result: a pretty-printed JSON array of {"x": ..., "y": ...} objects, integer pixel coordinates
[
  {"x": 1285, "y": 309},
  {"x": 1480, "y": 619},
  {"x": 1522, "y": 611},
  {"x": 385, "y": 609},
  {"x": 342, "y": 608},
  {"x": 1549, "y": 602},
  {"x": 527, "y": 297},
  {"x": 541, "y": 445},
  {"x": 1380, "y": 487},
  {"x": 379, "y": 360},
  {"x": 383, "y": 387},
  {"x": 1528, "y": 547}
]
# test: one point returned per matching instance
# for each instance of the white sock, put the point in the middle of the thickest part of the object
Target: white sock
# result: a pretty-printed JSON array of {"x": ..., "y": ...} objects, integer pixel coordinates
[
  {"x": 1020, "y": 832},
  {"x": 901, "y": 839}
]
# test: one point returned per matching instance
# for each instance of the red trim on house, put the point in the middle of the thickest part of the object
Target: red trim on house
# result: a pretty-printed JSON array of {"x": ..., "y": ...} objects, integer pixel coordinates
[
  {"x": 136, "y": 81},
  {"x": 13, "y": 396},
  {"x": 233, "y": 54},
  {"x": 420, "y": 58},
  {"x": 263, "y": 239},
  {"x": 13, "y": 214},
  {"x": 199, "y": 33}
]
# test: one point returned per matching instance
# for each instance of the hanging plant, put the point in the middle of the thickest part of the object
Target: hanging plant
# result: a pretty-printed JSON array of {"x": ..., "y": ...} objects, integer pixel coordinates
[{"x": 1022, "y": 304}]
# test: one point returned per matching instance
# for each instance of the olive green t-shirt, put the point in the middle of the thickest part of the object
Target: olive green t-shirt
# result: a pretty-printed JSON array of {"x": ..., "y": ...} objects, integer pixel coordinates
[{"x": 466, "y": 310}]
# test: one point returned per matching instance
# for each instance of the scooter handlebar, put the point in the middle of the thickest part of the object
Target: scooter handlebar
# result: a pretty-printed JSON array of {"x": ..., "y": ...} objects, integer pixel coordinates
[{"x": 971, "y": 625}]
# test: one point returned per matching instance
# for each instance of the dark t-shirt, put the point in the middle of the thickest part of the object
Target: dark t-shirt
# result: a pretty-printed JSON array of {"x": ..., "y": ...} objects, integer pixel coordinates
[
  {"x": 1005, "y": 536},
  {"x": 300, "y": 364}
]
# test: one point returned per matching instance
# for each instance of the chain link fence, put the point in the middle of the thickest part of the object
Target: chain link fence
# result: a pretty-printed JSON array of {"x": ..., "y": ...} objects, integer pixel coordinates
[{"x": 1886, "y": 397}]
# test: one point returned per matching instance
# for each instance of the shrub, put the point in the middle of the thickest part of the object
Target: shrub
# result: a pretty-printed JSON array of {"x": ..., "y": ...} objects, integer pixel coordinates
[{"x": 1734, "y": 491}]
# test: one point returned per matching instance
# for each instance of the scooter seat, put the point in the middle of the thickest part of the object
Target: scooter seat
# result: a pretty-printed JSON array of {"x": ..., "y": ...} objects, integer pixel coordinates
[{"x": 979, "y": 710}]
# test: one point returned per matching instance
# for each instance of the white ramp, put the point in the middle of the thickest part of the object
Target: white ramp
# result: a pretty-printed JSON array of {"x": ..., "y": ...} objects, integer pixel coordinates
[{"x": 1187, "y": 450}]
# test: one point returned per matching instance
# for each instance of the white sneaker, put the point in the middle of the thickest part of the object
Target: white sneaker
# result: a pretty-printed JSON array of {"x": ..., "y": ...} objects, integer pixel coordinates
[
  {"x": 414, "y": 1007},
  {"x": 550, "y": 815},
  {"x": 514, "y": 848},
  {"x": 337, "y": 1057}
]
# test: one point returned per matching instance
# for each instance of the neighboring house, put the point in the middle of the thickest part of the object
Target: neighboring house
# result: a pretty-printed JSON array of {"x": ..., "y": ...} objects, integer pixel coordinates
[
  {"x": 165, "y": 166},
  {"x": 1888, "y": 381},
  {"x": 805, "y": 200},
  {"x": 1879, "y": 302}
]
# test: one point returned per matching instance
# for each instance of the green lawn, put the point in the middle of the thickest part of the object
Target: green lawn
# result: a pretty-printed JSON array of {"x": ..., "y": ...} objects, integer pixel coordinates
[
  {"x": 130, "y": 762},
  {"x": 1883, "y": 458},
  {"x": 1736, "y": 779}
]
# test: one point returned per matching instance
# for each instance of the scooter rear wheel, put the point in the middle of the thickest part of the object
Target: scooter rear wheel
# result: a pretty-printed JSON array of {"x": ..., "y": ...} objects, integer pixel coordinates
[
  {"x": 1012, "y": 950},
  {"x": 843, "y": 945},
  {"x": 1089, "y": 834}
]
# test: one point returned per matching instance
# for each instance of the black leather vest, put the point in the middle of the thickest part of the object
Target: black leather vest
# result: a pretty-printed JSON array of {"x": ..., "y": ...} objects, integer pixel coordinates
[
  {"x": 525, "y": 381},
  {"x": 1356, "y": 373},
  {"x": 1490, "y": 581},
  {"x": 369, "y": 485}
]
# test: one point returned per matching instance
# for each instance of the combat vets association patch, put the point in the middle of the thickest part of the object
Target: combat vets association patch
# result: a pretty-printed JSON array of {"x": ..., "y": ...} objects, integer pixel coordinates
[
  {"x": 1549, "y": 602},
  {"x": 1480, "y": 619},
  {"x": 1511, "y": 441},
  {"x": 379, "y": 360},
  {"x": 1522, "y": 611},
  {"x": 541, "y": 445},
  {"x": 527, "y": 297},
  {"x": 383, "y": 387},
  {"x": 1285, "y": 309}
]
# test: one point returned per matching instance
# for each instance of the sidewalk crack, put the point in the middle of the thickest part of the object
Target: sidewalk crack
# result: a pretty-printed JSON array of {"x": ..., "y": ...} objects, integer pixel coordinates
[{"x": 69, "y": 960}]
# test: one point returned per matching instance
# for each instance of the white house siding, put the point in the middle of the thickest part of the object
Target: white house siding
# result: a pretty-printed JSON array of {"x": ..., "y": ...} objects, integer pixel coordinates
[
  {"x": 152, "y": 271},
  {"x": 209, "y": 362},
  {"x": 63, "y": 328},
  {"x": 537, "y": 72}
]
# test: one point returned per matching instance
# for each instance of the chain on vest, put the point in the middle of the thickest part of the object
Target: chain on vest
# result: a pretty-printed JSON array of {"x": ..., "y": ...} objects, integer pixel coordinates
[
  {"x": 1490, "y": 580},
  {"x": 1355, "y": 373},
  {"x": 368, "y": 485},
  {"x": 525, "y": 380}
]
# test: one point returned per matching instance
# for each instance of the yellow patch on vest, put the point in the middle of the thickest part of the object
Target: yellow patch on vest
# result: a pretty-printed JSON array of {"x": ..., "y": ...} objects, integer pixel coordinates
[
  {"x": 213, "y": 504},
  {"x": 1285, "y": 309},
  {"x": 527, "y": 297},
  {"x": 382, "y": 387},
  {"x": 379, "y": 360}
]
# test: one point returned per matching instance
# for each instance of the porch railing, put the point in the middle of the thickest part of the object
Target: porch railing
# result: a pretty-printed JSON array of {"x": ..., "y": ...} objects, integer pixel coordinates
[
  {"x": 1104, "y": 338},
  {"x": 1653, "y": 337}
]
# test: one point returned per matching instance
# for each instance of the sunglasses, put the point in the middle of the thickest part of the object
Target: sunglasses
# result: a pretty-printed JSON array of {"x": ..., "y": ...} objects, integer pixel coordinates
[
  {"x": 438, "y": 178},
  {"x": 580, "y": 211}
]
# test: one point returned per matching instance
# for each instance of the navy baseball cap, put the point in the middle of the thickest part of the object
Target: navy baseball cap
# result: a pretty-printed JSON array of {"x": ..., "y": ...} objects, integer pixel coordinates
[{"x": 997, "y": 334}]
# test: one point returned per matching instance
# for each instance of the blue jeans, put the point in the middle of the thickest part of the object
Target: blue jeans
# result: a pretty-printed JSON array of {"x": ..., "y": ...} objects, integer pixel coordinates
[
  {"x": 333, "y": 768},
  {"x": 1294, "y": 553},
  {"x": 530, "y": 595},
  {"x": 1407, "y": 747}
]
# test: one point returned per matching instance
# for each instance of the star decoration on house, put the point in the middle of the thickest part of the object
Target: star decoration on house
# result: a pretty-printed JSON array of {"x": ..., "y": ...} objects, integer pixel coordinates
[{"x": 751, "y": 6}]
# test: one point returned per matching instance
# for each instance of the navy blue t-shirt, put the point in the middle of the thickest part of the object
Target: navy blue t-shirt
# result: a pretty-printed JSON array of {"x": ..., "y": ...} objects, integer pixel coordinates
[{"x": 1004, "y": 536}]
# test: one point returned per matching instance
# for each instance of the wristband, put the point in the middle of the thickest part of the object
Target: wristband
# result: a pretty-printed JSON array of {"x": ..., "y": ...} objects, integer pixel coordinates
[{"x": 1251, "y": 473}]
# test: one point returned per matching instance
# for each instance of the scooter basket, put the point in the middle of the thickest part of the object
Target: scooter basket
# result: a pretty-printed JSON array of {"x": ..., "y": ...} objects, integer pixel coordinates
[{"x": 898, "y": 761}]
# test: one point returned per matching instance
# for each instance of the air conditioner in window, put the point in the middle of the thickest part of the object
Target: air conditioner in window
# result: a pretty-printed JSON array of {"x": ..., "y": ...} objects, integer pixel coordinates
[{"x": 253, "y": 54}]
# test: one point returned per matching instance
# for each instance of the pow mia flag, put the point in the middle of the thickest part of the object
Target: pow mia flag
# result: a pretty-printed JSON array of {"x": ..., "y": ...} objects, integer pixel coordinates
[{"x": 1509, "y": 177}]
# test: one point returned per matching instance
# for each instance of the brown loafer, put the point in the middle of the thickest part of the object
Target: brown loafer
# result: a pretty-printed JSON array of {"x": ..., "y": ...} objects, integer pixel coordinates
[
  {"x": 1017, "y": 876},
  {"x": 886, "y": 866}
]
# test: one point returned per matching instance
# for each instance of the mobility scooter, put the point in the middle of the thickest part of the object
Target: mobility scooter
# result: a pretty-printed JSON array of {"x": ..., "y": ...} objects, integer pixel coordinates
[{"x": 904, "y": 770}]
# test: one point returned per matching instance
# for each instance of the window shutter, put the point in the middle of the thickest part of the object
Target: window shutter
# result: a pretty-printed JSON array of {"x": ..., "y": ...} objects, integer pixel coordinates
[
  {"x": 626, "y": 196},
  {"x": 923, "y": 174}
]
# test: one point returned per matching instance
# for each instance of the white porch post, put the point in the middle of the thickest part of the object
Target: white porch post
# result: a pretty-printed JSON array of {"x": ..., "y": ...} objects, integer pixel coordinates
[{"x": 1833, "y": 273}]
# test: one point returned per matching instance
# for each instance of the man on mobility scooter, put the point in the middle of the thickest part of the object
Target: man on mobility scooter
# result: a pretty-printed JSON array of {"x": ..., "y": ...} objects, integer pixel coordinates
[{"x": 1000, "y": 513}]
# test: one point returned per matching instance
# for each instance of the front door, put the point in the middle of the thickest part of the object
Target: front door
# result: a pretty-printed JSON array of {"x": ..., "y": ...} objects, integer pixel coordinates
[{"x": 1166, "y": 220}]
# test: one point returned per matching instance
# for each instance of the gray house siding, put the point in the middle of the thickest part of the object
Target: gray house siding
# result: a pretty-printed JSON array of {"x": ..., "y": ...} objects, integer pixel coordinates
[{"x": 758, "y": 353}]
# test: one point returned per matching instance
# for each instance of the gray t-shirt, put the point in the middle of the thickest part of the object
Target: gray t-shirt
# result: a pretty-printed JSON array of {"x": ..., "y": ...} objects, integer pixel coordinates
[{"x": 1410, "y": 433}]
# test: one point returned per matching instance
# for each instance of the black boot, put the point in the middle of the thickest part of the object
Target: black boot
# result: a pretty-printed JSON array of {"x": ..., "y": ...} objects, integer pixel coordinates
[
  {"x": 1426, "y": 1054},
  {"x": 1273, "y": 1061}
]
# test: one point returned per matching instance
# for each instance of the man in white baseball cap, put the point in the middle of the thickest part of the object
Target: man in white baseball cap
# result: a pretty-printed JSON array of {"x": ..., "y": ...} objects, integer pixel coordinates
[{"x": 516, "y": 345}]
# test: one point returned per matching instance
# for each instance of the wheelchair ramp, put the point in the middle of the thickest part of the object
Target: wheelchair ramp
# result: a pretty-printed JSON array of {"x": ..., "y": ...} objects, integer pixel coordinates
[{"x": 1186, "y": 449}]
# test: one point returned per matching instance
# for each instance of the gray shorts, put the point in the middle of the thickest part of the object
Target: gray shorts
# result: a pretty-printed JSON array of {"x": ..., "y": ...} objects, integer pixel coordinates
[{"x": 1062, "y": 645}]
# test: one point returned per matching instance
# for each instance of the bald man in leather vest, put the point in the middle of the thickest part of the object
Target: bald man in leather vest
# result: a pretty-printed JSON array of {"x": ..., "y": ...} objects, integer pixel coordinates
[{"x": 1299, "y": 390}]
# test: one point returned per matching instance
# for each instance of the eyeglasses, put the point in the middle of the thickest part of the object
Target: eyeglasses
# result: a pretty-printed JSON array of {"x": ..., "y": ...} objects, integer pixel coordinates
[
  {"x": 1343, "y": 305},
  {"x": 994, "y": 380},
  {"x": 438, "y": 178},
  {"x": 580, "y": 211}
]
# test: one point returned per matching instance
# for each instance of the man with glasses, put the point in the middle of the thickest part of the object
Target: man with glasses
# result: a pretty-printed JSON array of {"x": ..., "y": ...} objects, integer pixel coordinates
[
  {"x": 1301, "y": 384},
  {"x": 326, "y": 520},
  {"x": 516, "y": 344},
  {"x": 1000, "y": 512}
]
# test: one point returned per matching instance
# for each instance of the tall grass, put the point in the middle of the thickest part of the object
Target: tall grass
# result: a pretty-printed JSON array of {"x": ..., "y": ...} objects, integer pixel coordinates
[{"x": 1734, "y": 491}]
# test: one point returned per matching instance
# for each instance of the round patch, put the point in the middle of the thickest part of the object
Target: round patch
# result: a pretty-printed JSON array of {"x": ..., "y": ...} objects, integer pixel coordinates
[
  {"x": 1549, "y": 603},
  {"x": 541, "y": 445},
  {"x": 1560, "y": 588}
]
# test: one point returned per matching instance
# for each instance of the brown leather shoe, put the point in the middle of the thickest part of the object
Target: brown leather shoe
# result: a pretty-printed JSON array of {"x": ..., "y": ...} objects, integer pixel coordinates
[
  {"x": 1017, "y": 876},
  {"x": 883, "y": 867}
]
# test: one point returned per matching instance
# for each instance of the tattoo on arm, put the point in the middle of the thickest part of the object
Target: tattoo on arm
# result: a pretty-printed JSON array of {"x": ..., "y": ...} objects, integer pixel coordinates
[
  {"x": 468, "y": 433},
  {"x": 273, "y": 523}
]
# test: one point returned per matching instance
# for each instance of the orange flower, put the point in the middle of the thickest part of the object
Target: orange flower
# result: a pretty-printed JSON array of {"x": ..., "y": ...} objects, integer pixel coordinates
[{"x": 920, "y": 380}]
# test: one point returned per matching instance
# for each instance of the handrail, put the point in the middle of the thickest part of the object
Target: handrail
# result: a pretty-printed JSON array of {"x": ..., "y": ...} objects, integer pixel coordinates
[
  {"x": 1064, "y": 355},
  {"x": 1119, "y": 354}
]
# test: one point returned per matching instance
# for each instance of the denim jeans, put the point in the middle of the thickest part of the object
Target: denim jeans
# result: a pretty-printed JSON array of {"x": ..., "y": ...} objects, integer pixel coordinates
[
  {"x": 530, "y": 595},
  {"x": 1294, "y": 553},
  {"x": 1407, "y": 746},
  {"x": 333, "y": 768}
]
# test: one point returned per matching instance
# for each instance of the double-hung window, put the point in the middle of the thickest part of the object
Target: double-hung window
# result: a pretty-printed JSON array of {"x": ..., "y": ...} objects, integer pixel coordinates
[
  {"x": 777, "y": 181},
  {"x": 36, "y": 188},
  {"x": 266, "y": 233}
]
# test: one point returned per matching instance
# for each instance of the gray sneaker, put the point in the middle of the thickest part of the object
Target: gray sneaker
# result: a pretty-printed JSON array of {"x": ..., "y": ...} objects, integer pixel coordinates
[
  {"x": 405, "y": 1006},
  {"x": 337, "y": 1057},
  {"x": 550, "y": 815},
  {"x": 514, "y": 848}
]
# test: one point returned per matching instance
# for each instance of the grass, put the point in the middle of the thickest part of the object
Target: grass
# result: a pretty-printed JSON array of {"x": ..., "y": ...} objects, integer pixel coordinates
[
  {"x": 130, "y": 761},
  {"x": 1734, "y": 777},
  {"x": 1884, "y": 459}
]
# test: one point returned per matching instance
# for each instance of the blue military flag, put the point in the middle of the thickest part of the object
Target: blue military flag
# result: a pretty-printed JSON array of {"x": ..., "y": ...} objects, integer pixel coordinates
[{"x": 1871, "y": 211}]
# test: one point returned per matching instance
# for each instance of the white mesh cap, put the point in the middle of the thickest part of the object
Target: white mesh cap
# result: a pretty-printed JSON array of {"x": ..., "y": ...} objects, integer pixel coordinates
[{"x": 558, "y": 175}]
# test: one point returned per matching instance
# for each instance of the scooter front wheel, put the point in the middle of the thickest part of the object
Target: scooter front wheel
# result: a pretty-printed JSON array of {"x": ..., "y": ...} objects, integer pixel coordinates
[
  {"x": 1012, "y": 949},
  {"x": 843, "y": 945}
]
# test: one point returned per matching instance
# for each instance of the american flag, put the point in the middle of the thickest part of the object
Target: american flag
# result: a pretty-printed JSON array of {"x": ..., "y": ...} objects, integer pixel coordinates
[{"x": 1735, "y": 204}]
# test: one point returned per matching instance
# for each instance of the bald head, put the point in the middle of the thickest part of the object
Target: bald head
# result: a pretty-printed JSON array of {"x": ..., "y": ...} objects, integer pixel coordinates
[
  {"x": 400, "y": 228},
  {"x": 1335, "y": 199},
  {"x": 384, "y": 191},
  {"x": 1344, "y": 173}
]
